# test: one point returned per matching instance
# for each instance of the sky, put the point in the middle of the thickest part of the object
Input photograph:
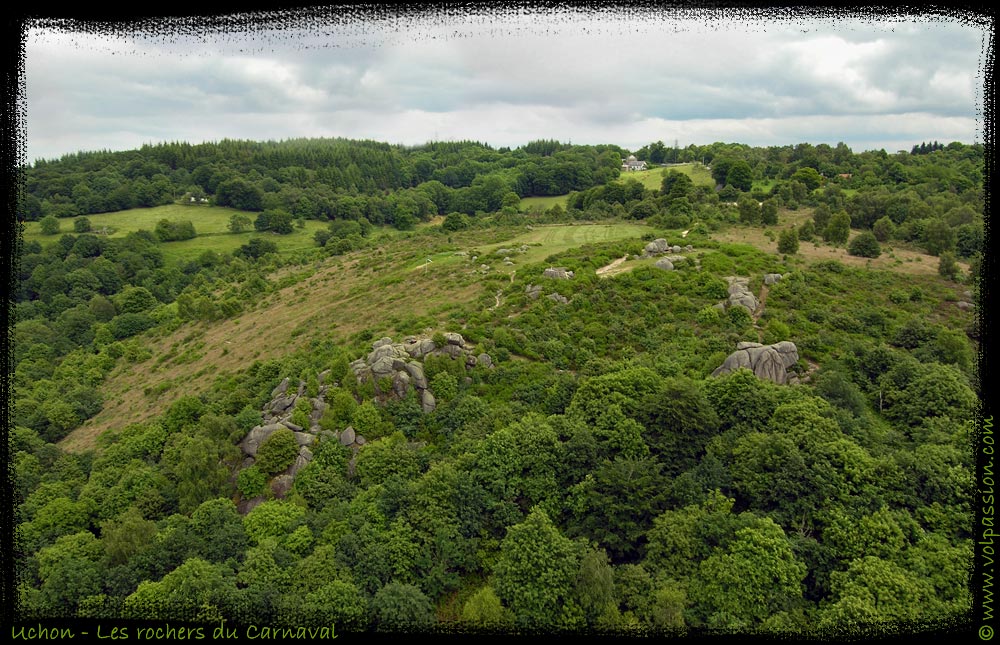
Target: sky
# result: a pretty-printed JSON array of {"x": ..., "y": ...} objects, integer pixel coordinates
[{"x": 510, "y": 77}]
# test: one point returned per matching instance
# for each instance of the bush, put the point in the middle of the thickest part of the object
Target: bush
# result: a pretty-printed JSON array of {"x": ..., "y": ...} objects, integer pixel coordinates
[
  {"x": 251, "y": 482},
  {"x": 169, "y": 231},
  {"x": 788, "y": 241},
  {"x": 865, "y": 245},
  {"x": 455, "y": 222},
  {"x": 948, "y": 267},
  {"x": 278, "y": 452},
  {"x": 49, "y": 225}
]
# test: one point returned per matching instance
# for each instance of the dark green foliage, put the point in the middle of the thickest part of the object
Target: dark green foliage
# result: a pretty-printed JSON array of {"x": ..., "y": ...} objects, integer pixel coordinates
[
  {"x": 455, "y": 222},
  {"x": 838, "y": 229},
  {"x": 568, "y": 486},
  {"x": 947, "y": 266},
  {"x": 278, "y": 452},
  {"x": 49, "y": 225},
  {"x": 128, "y": 324},
  {"x": 884, "y": 229},
  {"x": 864, "y": 245},
  {"x": 739, "y": 176},
  {"x": 257, "y": 248},
  {"x": 169, "y": 231},
  {"x": 788, "y": 241},
  {"x": 251, "y": 481},
  {"x": 401, "y": 606}
]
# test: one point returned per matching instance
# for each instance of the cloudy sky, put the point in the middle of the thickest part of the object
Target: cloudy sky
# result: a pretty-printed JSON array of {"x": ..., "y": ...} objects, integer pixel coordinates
[{"x": 510, "y": 78}]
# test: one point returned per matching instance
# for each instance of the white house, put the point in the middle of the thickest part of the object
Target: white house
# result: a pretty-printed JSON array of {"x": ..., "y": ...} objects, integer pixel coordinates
[{"x": 633, "y": 164}]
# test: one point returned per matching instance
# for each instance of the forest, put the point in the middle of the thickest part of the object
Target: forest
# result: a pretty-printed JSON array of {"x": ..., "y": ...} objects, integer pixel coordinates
[{"x": 459, "y": 388}]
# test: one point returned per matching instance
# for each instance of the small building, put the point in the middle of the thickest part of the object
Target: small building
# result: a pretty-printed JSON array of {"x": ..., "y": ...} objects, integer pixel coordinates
[{"x": 633, "y": 164}]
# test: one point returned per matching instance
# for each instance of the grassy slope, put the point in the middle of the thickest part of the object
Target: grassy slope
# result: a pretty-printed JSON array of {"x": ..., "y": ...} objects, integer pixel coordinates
[
  {"x": 651, "y": 179},
  {"x": 211, "y": 223},
  {"x": 389, "y": 289}
]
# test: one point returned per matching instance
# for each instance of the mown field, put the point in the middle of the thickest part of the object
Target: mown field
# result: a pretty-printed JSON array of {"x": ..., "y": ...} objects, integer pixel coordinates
[
  {"x": 211, "y": 224},
  {"x": 653, "y": 178},
  {"x": 650, "y": 179}
]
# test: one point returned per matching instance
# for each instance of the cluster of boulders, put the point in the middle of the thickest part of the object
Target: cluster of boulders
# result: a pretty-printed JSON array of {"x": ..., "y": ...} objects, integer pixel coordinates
[
  {"x": 739, "y": 295},
  {"x": 399, "y": 365},
  {"x": 770, "y": 362},
  {"x": 277, "y": 415},
  {"x": 535, "y": 290},
  {"x": 660, "y": 246},
  {"x": 667, "y": 263},
  {"x": 557, "y": 273}
]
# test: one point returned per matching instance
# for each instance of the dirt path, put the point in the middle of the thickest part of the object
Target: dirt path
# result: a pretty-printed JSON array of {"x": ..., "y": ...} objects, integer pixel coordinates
[
  {"x": 611, "y": 267},
  {"x": 761, "y": 300}
]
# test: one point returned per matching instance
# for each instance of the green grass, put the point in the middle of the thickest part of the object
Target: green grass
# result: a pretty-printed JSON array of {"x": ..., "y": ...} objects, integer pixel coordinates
[
  {"x": 206, "y": 219},
  {"x": 544, "y": 241},
  {"x": 211, "y": 223},
  {"x": 299, "y": 240},
  {"x": 653, "y": 178},
  {"x": 542, "y": 203}
]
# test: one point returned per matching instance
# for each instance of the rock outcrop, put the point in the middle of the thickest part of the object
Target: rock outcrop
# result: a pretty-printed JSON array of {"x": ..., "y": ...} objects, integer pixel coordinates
[
  {"x": 740, "y": 295},
  {"x": 399, "y": 365},
  {"x": 657, "y": 247},
  {"x": 770, "y": 362},
  {"x": 557, "y": 273}
]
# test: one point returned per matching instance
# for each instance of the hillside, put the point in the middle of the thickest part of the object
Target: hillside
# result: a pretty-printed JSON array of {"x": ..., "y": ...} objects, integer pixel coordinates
[{"x": 374, "y": 387}]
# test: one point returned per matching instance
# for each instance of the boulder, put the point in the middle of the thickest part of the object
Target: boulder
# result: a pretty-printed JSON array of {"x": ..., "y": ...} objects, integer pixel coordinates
[
  {"x": 656, "y": 247},
  {"x": 304, "y": 438},
  {"x": 503, "y": 251},
  {"x": 557, "y": 273},
  {"x": 281, "y": 485},
  {"x": 965, "y": 306},
  {"x": 416, "y": 372},
  {"x": 282, "y": 403},
  {"x": 453, "y": 351},
  {"x": 256, "y": 437},
  {"x": 533, "y": 291},
  {"x": 382, "y": 367},
  {"x": 400, "y": 383},
  {"x": 558, "y": 298},
  {"x": 281, "y": 389},
  {"x": 382, "y": 342},
  {"x": 771, "y": 278},
  {"x": 454, "y": 339},
  {"x": 427, "y": 402},
  {"x": 675, "y": 249},
  {"x": 420, "y": 347},
  {"x": 484, "y": 360},
  {"x": 770, "y": 362},
  {"x": 347, "y": 436},
  {"x": 665, "y": 264},
  {"x": 294, "y": 427}
]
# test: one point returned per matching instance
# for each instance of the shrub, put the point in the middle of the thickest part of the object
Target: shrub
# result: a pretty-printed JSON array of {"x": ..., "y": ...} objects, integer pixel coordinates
[
  {"x": 49, "y": 225},
  {"x": 788, "y": 241},
  {"x": 278, "y": 452},
  {"x": 251, "y": 482},
  {"x": 865, "y": 245}
]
